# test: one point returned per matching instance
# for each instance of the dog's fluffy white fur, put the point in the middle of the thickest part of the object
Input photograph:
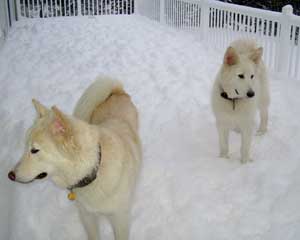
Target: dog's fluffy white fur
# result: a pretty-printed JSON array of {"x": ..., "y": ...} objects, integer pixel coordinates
[
  {"x": 242, "y": 74},
  {"x": 68, "y": 150}
]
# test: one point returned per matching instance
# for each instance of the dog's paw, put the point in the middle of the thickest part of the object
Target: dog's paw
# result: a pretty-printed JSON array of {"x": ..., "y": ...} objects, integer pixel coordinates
[
  {"x": 224, "y": 155},
  {"x": 246, "y": 160},
  {"x": 261, "y": 131}
]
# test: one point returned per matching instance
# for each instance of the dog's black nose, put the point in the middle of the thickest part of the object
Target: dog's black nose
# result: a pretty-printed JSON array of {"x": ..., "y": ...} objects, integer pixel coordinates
[
  {"x": 224, "y": 95},
  {"x": 12, "y": 176},
  {"x": 250, "y": 93}
]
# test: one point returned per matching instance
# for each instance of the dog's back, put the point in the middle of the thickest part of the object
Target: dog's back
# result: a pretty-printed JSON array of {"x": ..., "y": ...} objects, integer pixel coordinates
[{"x": 106, "y": 99}]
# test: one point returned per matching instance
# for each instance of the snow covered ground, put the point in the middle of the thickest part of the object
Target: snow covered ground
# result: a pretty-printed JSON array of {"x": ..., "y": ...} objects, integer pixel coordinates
[{"x": 185, "y": 190}]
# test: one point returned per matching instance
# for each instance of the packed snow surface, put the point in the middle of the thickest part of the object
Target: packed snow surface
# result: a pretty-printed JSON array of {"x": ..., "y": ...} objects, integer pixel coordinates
[{"x": 185, "y": 191}]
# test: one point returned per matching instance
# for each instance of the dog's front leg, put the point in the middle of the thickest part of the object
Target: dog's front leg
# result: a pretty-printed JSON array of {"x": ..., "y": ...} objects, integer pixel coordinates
[
  {"x": 223, "y": 141},
  {"x": 246, "y": 144},
  {"x": 90, "y": 223},
  {"x": 120, "y": 224}
]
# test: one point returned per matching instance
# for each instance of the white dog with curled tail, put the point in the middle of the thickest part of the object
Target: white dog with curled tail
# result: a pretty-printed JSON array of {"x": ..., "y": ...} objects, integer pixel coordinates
[{"x": 94, "y": 154}]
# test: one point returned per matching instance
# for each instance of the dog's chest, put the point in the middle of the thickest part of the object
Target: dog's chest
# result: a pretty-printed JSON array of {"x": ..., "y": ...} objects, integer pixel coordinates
[
  {"x": 235, "y": 116},
  {"x": 94, "y": 200}
]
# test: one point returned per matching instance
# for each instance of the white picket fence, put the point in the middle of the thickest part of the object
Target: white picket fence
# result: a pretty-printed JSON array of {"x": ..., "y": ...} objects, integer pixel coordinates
[
  {"x": 219, "y": 23},
  {"x": 64, "y": 8},
  {"x": 215, "y": 22}
]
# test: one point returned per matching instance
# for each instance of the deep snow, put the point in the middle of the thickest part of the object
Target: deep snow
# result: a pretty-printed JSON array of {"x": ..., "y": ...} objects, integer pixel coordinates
[{"x": 185, "y": 190}]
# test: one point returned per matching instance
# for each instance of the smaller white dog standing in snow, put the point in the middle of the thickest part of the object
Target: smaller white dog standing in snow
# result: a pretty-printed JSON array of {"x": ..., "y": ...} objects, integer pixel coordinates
[{"x": 240, "y": 89}]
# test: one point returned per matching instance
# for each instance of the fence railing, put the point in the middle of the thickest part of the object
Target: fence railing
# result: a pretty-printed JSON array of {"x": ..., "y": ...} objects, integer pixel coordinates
[
  {"x": 63, "y": 8},
  {"x": 220, "y": 23}
]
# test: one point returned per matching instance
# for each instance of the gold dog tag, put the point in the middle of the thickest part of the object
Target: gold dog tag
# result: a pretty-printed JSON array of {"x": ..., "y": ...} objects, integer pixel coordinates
[{"x": 72, "y": 196}]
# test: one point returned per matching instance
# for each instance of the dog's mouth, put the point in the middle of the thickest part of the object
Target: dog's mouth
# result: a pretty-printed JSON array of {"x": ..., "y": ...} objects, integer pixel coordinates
[
  {"x": 41, "y": 175},
  {"x": 12, "y": 177}
]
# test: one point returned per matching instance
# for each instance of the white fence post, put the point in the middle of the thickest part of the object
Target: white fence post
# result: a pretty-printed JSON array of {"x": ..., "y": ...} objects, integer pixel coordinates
[
  {"x": 79, "y": 8},
  {"x": 4, "y": 19},
  {"x": 12, "y": 11},
  {"x": 162, "y": 17},
  {"x": 135, "y": 7},
  {"x": 19, "y": 14},
  {"x": 204, "y": 19},
  {"x": 284, "y": 42}
]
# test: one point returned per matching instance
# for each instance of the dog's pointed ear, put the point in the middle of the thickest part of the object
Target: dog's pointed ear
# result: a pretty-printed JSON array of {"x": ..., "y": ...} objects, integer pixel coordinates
[
  {"x": 231, "y": 57},
  {"x": 60, "y": 124},
  {"x": 40, "y": 108},
  {"x": 257, "y": 55}
]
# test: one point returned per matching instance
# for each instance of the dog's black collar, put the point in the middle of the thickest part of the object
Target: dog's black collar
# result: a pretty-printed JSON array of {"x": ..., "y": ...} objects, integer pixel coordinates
[
  {"x": 233, "y": 100},
  {"x": 90, "y": 177}
]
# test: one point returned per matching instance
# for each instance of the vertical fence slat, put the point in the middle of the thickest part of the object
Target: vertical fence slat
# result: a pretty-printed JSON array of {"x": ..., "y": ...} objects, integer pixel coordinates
[
  {"x": 195, "y": 22},
  {"x": 93, "y": 7},
  {"x": 19, "y": 13},
  {"x": 173, "y": 14},
  {"x": 181, "y": 14},
  {"x": 176, "y": 13},
  {"x": 292, "y": 43},
  {"x": 297, "y": 62},
  {"x": 65, "y": 8},
  {"x": 28, "y": 8},
  {"x": 97, "y": 7},
  {"x": 55, "y": 8},
  {"x": 188, "y": 10},
  {"x": 24, "y": 7}
]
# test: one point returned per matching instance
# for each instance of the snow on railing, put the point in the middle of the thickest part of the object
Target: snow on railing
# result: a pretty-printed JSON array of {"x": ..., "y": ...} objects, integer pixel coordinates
[
  {"x": 62, "y": 8},
  {"x": 220, "y": 23}
]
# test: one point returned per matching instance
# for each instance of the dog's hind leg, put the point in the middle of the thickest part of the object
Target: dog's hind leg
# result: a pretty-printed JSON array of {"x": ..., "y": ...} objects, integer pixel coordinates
[
  {"x": 120, "y": 224},
  {"x": 90, "y": 223},
  {"x": 264, "y": 115},
  {"x": 223, "y": 141}
]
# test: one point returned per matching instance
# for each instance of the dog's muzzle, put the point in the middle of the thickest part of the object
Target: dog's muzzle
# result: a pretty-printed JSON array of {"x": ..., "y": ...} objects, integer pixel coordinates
[{"x": 12, "y": 176}]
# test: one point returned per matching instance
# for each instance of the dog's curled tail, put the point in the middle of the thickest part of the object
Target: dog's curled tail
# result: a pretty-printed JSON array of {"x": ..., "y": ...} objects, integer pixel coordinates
[{"x": 94, "y": 95}]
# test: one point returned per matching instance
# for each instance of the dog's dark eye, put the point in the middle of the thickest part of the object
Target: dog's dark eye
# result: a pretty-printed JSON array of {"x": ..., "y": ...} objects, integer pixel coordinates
[
  {"x": 34, "y": 150},
  {"x": 252, "y": 76},
  {"x": 241, "y": 76}
]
